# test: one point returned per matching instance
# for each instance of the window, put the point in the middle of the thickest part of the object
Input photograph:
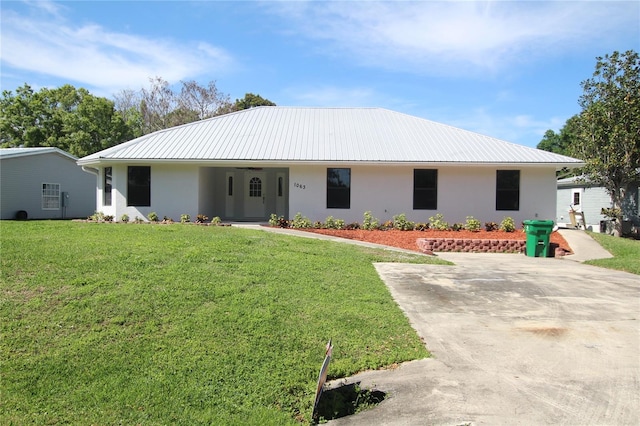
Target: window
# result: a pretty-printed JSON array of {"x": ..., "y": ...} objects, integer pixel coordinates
[
  {"x": 139, "y": 186},
  {"x": 107, "y": 186},
  {"x": 255, "y": 187},
  {"x": 338, "y": 188},
  {"x": 280, "y": 186},
  {"x": 230, "y": 186},
  {"x": 425, "y": 189},
  {"x": 576, "y": 198},
  {"x": 50, "y": 196},
  {"x": 508, "y": 190}
]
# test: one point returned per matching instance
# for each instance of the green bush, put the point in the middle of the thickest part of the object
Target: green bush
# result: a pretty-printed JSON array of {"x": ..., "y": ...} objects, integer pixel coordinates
[
  {"x": 273, "y": 220},
  {"x": 153, "y": 217},
  {"x": 329, "y": 223},
  {"x": 200, "y": 218},
  {"x": 507, "y": 225},
  {"x": 369, "y": 223},
  {"x": 438, "y": 223},
  {"x": 401, "y": 223},
  {"x": 185, "y": 218},
  {"x": 472, "y": 224},
  {"x": 216, "y": 220},
  {"x": 300, "y": 222},
  {"x": 339, "y": 223},
  {"x": 491, "y": 226},
  {"x": 124, "y": 218}
]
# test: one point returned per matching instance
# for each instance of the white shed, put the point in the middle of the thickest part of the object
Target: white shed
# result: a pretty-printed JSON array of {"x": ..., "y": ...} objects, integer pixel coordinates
[
  {"x": 44, "y": 183},
  {"x": 322, "y": 162}
]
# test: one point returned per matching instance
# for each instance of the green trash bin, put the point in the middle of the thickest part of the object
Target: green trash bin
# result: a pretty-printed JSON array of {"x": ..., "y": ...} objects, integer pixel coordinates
[{"x": 538, "y": 234}]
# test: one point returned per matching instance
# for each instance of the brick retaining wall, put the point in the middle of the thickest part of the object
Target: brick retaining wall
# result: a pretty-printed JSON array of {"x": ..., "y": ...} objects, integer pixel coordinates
[{"x": 429, "y": 245}]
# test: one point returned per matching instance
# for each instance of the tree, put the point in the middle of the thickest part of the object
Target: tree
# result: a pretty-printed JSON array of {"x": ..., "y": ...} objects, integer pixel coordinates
[
  {"x": 67, "y": 118},
  {"x": 250, "y": 100},
  {"x": 159, "y": 106},
  {"x": 609, "y": 126},
  {"x": 561, "y": 142}
]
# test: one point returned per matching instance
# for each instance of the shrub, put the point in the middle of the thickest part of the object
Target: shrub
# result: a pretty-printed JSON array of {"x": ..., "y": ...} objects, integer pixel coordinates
[
  {"x": 457, "y": 226},
  {"x": 329, "y": 223},
  {"x": 386, "y": 225},
  {"x": 339, "y": 224},
  {"x": 108, "y": 218},
  {"x": 472, "y": 224},
  {"x": 166, "y": 219},
  {"x": 279, "y": 222},
  {"x": 124, "y": 218},
  {"x": 421, "y": 226},
  {"x": 216, "y": 220},
  {"x": 507, "y": 225},
  {"x": 300, "y": 222},
  {"x": 318, "y": 225},
  {"x": 401, "y": 223},
  {"x": 353, "y": 225},
  {"x": 438, "y": 223},
  {"x": 273, "y": 220},
  {"x": 491, "y": 226},
  {"x": 97, "y": 216},
  {"x": 369, "y": 223},
  {"x": 138, "y": 220},
  {"x": 153, "y": 217},
  {"x": 200, "y": 218},
  {"x": 185, "y": 218}
]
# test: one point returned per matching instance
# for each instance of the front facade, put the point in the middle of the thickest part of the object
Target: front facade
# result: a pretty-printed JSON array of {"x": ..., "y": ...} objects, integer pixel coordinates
[
  {"x": 324, "y": 162},
  {"x": 44, "y": 183}
]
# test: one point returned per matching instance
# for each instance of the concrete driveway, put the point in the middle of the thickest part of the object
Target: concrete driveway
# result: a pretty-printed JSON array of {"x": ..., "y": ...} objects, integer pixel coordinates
[{"x": 515, "y": 340}]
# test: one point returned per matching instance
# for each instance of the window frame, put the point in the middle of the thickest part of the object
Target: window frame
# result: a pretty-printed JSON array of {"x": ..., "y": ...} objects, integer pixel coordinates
[
  {"x": 338, "y": 196},
  {"x": 425, "y": 197},
  {"x": 47, "y": 196},
  {"x": 506, "y": 191},
  {"x": 141, "y": 196}
]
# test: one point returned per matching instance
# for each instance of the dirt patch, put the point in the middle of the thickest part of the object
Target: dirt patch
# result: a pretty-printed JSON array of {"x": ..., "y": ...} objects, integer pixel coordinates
[
  {"x": 407, "y": 239},
  {"x": 546, "y": 331}
]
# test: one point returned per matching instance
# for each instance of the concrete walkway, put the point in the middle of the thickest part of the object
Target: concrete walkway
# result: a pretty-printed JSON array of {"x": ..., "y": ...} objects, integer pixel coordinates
[{"x": 583, "y": 246}]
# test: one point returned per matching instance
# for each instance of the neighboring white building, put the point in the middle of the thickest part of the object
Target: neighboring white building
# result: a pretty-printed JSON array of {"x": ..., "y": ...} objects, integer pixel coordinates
[
  {"x": 582, "y": 196},
  {"x": 322, "y": 162},
  {"x": 46, "y": 183}
]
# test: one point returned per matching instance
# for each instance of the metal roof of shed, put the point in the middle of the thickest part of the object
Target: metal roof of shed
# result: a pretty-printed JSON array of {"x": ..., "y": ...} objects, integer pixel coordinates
[
  {"x": 305, "y": 134},
  {"x": 6, "y": 153}
]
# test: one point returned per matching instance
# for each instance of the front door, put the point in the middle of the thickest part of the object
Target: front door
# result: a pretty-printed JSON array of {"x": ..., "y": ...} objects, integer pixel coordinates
[{"x": 254, "y": 194}]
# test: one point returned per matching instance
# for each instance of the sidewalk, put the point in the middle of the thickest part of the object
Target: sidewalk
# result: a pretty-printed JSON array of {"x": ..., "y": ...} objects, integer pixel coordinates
[{"x": 584, "y": 247}]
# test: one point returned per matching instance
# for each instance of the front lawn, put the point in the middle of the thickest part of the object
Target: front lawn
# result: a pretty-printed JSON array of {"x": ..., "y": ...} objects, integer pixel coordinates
[
  {"x": 625, "y": 251},
  {"x": 184, "y": 324}
]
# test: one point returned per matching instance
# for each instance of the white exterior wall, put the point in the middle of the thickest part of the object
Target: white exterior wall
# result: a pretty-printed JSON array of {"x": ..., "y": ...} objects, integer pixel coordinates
[
  {"x": 388, "y": 190},
  {"x": 21, "y": 181},
  {"x": 174, "y": 191}
]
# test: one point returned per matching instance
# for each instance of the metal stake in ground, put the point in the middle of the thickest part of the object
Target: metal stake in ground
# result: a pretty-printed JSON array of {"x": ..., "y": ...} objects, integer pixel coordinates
[{"x": 322, "y": 377}]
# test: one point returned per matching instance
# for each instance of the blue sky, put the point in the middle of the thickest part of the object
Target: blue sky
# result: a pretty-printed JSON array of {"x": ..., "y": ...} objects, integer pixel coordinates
[{"x": 506, "y": 69}]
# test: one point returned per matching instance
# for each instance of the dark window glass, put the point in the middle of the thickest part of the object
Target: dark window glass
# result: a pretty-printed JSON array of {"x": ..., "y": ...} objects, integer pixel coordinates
[
  {"x": 425, "y": 189},
  {"x": 508, "y": 190},
  {"x": 280, "y": 186},
  {"x": 230, "y": 186},
  {"x": 139, "y": 186},
  {"x": 576, "y": 198},
  {"x": 255, "y": 187},
  {"x": 107, "y": 186},
  {"x": 338, "y": 188}
]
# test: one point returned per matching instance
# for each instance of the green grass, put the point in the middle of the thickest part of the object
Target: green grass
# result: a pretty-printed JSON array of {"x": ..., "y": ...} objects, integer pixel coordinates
[
  {"x": 625, "y": 251},
  {"x": 183, "y": 324}
]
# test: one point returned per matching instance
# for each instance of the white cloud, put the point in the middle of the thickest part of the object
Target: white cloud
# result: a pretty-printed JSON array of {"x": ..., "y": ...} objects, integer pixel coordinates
[
  {"x": 460, "y": 37},
  {"x": 93, "y": 55}
]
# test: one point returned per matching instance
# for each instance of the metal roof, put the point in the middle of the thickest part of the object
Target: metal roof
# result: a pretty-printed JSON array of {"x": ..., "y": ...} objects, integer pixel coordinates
[
  {"x": 305, "y": 134},
  {"x": 22, "y": 152}
]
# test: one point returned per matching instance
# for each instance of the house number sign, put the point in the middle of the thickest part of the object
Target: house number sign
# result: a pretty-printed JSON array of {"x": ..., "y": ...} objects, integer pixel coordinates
[{"x": 299, "y": 185}]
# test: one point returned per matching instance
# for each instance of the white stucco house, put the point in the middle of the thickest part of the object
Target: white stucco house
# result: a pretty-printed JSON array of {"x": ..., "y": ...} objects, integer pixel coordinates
[
  {"x": 44, "y": 183},
  {"x": 578, "y": 193},
  {"x": 322, "y": 162}
]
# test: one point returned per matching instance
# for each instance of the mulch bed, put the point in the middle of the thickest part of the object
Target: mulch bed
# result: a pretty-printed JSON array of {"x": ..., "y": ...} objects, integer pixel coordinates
[{"x": 407, "y": 239}]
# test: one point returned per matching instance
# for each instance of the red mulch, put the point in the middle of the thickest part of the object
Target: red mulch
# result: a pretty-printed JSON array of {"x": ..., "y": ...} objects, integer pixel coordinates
[{"x": 407, "y": 239}]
